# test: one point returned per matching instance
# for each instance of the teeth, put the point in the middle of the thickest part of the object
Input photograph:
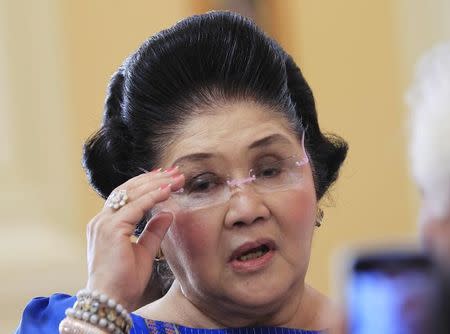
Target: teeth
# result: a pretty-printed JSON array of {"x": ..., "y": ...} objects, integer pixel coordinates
[{"x": 251, "y": 256}]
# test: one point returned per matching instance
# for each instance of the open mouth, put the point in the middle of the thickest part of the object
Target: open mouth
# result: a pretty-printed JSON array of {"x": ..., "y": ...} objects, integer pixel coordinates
[
  {"x": 252, "y": 257},
  {"x": 253, "y": 253},
  {"x": 252, "y": 250}
]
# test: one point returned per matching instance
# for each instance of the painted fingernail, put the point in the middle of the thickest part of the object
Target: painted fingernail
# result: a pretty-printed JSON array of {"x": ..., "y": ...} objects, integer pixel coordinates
[
  {"x": 164, "y": 186},
  {"x": 171, "y": 169},
  {"x": 176, "y": 177}
]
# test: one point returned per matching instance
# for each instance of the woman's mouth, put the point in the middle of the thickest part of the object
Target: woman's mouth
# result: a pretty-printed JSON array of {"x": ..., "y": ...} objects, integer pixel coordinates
[
  {"x": 252, "y": 256},
  {"x": 254, "y": 253}
]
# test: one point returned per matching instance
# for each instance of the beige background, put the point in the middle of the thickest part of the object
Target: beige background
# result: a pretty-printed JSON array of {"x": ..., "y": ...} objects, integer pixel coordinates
[{"x": 55, "y": 61}]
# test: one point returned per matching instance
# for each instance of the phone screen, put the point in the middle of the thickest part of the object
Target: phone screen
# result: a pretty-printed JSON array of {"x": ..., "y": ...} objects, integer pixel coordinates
[{"x": 391, "y": 294}]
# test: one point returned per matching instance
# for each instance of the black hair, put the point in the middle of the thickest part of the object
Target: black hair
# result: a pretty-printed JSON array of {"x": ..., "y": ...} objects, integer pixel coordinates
[{"x": 201, "y": 61}]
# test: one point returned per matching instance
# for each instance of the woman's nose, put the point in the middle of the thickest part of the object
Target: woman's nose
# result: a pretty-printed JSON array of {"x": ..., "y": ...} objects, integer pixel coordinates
[{"x": 246, "y": 207}]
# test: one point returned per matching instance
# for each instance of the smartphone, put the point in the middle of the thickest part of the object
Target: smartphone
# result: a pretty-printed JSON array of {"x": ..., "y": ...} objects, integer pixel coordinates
[{"x": 391, "y": 292}]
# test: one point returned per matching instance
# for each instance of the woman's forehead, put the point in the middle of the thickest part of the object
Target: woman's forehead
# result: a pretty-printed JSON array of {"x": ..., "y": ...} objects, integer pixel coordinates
[{"x": 235, "y": 129}]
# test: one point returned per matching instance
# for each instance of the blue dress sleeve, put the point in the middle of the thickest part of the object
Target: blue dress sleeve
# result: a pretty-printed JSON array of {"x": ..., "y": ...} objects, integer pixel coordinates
[{"x": 43, "y": 314}]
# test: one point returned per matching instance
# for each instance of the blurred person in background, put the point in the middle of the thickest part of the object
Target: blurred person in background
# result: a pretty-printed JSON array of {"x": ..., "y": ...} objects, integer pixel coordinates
[
  {"x": 429, "y": 149},
  {"x": 428, "y": 100},
  {"x": 211, "y": 128}
]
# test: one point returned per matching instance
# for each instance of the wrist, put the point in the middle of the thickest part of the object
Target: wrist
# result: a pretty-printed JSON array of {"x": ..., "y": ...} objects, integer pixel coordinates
[
  {"x": 97, "y": 309},
  {"x": 113, "y": 293}
]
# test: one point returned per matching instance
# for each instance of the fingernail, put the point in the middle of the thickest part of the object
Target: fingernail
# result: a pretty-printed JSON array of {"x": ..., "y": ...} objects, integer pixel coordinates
[
  {"x": 156, "y": 170},
  {"x": 164, "y": 186},
  {"x": 176, "y": 177},
  {"x": 171, "y": 169}
]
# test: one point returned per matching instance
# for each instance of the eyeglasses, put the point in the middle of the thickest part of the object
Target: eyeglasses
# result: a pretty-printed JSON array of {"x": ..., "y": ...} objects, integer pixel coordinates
[{"x": 210, "y": 189}]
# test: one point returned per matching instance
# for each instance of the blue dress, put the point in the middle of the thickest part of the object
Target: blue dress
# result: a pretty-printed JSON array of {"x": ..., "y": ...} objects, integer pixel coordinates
[{"x": 43, "y": 315}]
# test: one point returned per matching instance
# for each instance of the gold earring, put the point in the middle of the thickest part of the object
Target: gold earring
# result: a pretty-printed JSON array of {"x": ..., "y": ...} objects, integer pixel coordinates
[
  {"x": 160, "y": 255},
  {"x": 319, "y": 217}
]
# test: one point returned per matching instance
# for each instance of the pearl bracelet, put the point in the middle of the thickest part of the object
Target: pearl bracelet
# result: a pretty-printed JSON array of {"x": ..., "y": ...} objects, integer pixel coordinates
[
  {"x": 101, "y": 311},
  {"x": 74, "y": 326}
]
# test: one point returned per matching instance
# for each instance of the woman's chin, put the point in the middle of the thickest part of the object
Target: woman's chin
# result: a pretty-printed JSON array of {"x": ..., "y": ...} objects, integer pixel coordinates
[
  {"x": 260, "y": 297},
  {"x": 270, "y": 286}
]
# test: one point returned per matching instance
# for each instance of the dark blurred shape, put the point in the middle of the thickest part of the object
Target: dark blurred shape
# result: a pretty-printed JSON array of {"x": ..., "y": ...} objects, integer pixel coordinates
[
  {"x": 441, "y": 323},
  {"x": 393, "y": 291}
]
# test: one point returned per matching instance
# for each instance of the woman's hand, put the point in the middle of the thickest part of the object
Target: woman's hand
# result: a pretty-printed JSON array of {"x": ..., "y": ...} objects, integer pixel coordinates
[{"x": 116, "y": 266}]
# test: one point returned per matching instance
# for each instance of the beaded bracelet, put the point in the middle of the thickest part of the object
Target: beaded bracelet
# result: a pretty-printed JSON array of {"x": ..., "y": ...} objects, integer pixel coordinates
[
  {"x": 75, "y": 326},
  {"x": 101, "y": 311}
]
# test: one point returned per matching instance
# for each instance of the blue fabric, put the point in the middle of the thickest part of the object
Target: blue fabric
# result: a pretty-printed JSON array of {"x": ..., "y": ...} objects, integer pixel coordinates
[
  {"x": 246, "y": 330},
  {"x": 159, "y": 327},
  {"x": 43, "y": 315}
]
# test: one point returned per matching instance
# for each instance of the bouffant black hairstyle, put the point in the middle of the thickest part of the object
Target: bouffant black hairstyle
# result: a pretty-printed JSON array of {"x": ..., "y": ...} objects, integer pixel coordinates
[{"x": 201, "y": 61}]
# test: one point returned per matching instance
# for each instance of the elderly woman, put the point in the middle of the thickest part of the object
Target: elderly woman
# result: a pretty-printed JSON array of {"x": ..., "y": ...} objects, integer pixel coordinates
[{"x": 210, "y": 145}]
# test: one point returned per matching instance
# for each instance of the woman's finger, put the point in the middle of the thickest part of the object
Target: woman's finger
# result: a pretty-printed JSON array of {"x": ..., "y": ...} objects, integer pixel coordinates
[
  {"x": 148, "y": 177},
  {"x": 129, "y": 192},
  {"x": 154, "y": 232},
  {"x": 133, "y": 211},
  {"x": 176, "y": 182}
]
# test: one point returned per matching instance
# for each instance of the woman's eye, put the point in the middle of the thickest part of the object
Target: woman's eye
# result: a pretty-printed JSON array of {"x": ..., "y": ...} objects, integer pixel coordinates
[
  {"x": 202, "y": 183},
  {"x": 269, "y": 171}
]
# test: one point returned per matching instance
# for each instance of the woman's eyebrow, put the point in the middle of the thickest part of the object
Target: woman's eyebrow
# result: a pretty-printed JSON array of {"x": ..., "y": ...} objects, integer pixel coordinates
[
  {"x": 263, "y": 142},
  {"x": 194, "y": 157},
  {"x": 269, "y": 140}
]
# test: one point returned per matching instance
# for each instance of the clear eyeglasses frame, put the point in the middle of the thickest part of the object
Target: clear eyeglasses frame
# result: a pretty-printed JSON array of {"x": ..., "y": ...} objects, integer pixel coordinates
[{"x": 273, "y": 176}]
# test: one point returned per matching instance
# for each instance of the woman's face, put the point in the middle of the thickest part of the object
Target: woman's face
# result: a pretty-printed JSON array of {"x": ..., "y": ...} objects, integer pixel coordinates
[{"x": 208, "y": 248}]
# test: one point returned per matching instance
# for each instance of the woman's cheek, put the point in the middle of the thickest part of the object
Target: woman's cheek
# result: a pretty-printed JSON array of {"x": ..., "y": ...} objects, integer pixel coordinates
[
  {"x": 193, "y": 236},
  {"x": 301, "y": 203},
  {"x": 296, "y": 209}
]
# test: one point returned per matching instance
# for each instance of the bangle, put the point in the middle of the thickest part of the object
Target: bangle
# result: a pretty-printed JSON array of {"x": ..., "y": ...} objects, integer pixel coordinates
[
  {"x": 101, "y": 311},
  {"x": 74, "y": 326}
]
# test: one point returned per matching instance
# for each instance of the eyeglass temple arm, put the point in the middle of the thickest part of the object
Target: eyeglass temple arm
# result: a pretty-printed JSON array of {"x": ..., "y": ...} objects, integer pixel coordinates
[{"x": 305, "y": 160}]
